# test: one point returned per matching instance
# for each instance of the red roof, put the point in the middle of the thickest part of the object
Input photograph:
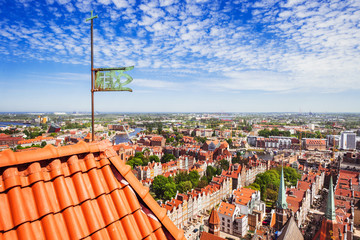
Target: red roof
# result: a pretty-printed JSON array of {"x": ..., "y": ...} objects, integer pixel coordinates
[
  {"x": 209, "y": 236},
  {"x": 75, "y": 192},
  {"x": 214, "y": 217},
  {"x": 227, "y": 209}
]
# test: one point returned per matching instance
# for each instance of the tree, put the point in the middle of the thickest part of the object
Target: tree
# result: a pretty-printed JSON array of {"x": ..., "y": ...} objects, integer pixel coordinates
[
  {"x": 169, "y": 140},
  {"x": 149, "y": 128},
  {"x": 43, "y": 144},
  {"x": 167, "y": 158},
  {"x": 169, "y": 191},
  {"x": 159, "y": 128},
  {"x": 184, "y": 186},
  {"x": 224, "y": 164},
  {"x": 203, "y": 182},
  {"x": 271, "y": 194},
  {"x": 181, "y": 177},
  {"x": 154, "y": 158},
  {"x": 254, "y": 186},
  {"x": 194, "y": 178},
  {"x": 134, "y": 162},
  {"x": 210, "y": 172},
  {"x": 159, "y": 186},
  {"x": 139, "y": 155},
  {"x": 229, "y": 141}
]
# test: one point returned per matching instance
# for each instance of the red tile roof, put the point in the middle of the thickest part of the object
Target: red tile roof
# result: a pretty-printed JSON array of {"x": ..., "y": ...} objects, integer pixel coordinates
[
  {"x": 209, "y": 236},
  {"x": 214, "y": 217},
  {"x": 37, "y": 139},
  {"x": 75, "y": 192},
  {"x": 227, "y": 209}
]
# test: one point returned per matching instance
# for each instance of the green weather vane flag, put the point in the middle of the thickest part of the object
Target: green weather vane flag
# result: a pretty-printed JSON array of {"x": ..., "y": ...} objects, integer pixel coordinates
[{"x": 108, "y": 79}]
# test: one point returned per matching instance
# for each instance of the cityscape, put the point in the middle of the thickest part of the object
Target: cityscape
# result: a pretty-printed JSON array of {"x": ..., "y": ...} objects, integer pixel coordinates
[
  {"x": 230, "y": 175},
  {"x": 186, "y": 120}
]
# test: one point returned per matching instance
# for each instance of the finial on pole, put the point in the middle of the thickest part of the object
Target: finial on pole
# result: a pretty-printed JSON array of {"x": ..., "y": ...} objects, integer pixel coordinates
[{"x": 91, "y": 17}]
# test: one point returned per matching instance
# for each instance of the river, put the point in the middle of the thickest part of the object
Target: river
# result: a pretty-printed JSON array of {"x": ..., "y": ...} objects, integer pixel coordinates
[
  {"x": 4, "y": 124},
  {"x": 124, "y": 138},
  {"x": 265, "y": 156}
]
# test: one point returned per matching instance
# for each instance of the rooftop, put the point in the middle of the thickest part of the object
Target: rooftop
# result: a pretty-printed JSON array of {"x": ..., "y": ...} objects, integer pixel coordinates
[{"x": 75, "y": 192}]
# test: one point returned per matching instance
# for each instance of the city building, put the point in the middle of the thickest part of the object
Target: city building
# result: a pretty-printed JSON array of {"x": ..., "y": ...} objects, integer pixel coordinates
[
  {"x": 214, "y": 223},
  {"x": 290, "y": 231},
  {"x": 330, "y": 228},
  {"x": 281, "y": 205},
  {"x": 232, "y": 221},
  {"x": 314, "y": 144},
  {"x": 9, "y": 140},
  {"x": 347, "y": 140}
]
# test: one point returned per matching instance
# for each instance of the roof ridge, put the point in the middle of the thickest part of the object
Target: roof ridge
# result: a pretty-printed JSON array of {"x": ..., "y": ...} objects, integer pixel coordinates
[
  {"x": 145, "y": 195},
  {"x": 9, "y": 157}
]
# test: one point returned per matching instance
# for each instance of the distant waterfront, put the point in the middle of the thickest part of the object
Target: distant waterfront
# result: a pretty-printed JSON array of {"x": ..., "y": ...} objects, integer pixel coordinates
[
  {"x": 124, "y": 138},
  {"x": 265, "y": 156},
  {"x": 4, "y": 124}
]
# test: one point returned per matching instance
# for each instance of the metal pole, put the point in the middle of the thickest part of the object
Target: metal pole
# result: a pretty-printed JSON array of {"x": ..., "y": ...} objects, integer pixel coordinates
[
  {"x": 92, "y": 77},
  {"x": 92, "y": 85}
]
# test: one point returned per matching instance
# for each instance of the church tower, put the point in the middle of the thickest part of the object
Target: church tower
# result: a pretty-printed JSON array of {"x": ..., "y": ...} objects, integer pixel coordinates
[
  {"x": 330, "y": 229},
  {"x": 214, "y": 223},
  {"x": 281, "y": 204}
]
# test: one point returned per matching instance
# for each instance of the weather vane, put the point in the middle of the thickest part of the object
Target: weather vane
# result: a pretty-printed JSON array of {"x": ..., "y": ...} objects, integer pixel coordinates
[{"x": 106, "y": 79}]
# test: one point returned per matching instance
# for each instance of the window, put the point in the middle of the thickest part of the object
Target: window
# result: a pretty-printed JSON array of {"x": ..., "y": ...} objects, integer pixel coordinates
[
  {"x": 228, "y": 220},
  {"x": 228, "y": 225}
]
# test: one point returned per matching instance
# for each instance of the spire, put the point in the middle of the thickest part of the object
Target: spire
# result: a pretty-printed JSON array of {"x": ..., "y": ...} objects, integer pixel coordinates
[
  {"x": 330, "y": 205},
  {"x": 281, "y": 201}
]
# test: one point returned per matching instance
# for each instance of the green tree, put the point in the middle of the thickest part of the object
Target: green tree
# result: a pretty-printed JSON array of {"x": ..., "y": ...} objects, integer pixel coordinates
[
  {"x": 43, "y": 144},
  {"x": 167, "y": 158},
  {"x": 229, "y": 141},
  {"x": 210, "y": 173},
  {"x": 275, "y": 132},
  {"x": 158, "y": 186},
  {"x": 169, "y": 191},
  {"x": 224, "y": 164},
  {"x": 154, "y": 158},
  {"x": 133, "y": 162},
  {"x": 271, "y": 194},
  {"x": 194, "y": 178},
  {"x": 139, "y": 155},
  {"x": 184, "y": 186},
  {"x": 181, "y": 177},
  {"x": 159, "y": 128},
  {"x": 254, "y": 186},
  {"x": 203, "y": 182}
]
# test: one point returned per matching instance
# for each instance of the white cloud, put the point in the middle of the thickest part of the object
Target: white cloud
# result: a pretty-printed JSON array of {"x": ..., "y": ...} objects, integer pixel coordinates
[
  {"x": 63, "y": 1},
  {"x": 312, "y": 45},
  {"x": 120, "y": 3},
  {"x": 156, "y": 84},
  {"x": 106, "y": 2}
]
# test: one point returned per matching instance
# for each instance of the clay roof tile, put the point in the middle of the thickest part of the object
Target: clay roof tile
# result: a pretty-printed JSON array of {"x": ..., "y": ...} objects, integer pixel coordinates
[{"x": 77, "y": 191}]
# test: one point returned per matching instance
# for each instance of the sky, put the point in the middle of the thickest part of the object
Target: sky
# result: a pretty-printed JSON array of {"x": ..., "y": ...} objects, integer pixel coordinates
[{"x": 189, "y": 56}]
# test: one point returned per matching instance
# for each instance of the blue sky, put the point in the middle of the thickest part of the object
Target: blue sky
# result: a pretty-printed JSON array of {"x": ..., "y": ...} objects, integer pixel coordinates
[{"x": 196, "y": 55}]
